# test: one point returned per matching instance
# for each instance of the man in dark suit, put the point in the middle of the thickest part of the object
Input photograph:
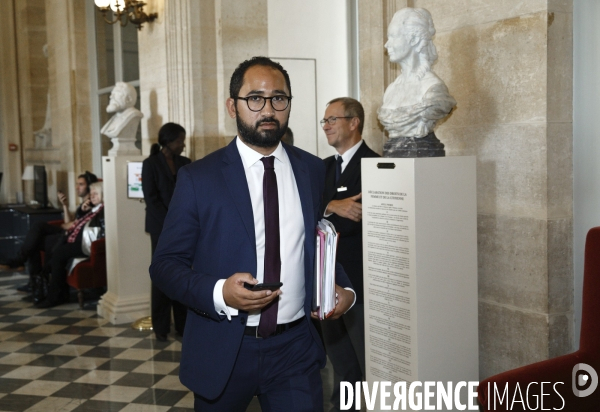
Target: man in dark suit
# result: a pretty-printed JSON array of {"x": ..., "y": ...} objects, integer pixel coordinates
[
  {"x": 247, "y": 214},
  {"x": 344, "y": 338}
]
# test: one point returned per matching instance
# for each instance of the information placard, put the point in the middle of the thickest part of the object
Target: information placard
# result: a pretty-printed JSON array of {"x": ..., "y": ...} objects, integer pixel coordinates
[
  {"x": 134, "y": 180},
  {"x": 389, "y": 239},
  {"x": 420, "y": 270}
]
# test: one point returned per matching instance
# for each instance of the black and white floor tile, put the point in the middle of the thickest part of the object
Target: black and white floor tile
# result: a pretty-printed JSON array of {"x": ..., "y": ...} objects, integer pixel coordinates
[{"x": 68, "y": 359}]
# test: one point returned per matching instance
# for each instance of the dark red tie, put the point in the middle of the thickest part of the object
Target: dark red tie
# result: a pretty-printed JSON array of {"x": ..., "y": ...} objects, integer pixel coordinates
[{"x": 268, "y": 316}]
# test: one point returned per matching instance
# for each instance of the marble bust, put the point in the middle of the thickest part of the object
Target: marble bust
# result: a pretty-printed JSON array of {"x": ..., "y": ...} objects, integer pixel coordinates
[
  {"x": 122, "y": 127},
  {"x": 418, "y": 98}
]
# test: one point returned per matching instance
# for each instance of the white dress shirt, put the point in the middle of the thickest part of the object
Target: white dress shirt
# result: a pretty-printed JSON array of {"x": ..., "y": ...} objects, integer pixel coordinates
[
  {"x": 348, "y": 154},
  {"x": 291, "y": 226}
]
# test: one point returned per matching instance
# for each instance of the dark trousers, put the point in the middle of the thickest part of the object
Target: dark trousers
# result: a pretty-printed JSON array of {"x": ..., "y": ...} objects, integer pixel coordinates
[
  {"x": 40, "y": 237},
  {"x": 344, "y": 340},
  {"x": 161, "y": 306},
  {"x": 283, "y": 371},
  {"x": 59, "y": 256}
]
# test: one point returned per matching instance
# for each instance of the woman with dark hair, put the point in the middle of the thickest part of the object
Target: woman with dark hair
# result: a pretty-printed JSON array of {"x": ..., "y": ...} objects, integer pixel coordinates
[{"x": 159, "y": 174}]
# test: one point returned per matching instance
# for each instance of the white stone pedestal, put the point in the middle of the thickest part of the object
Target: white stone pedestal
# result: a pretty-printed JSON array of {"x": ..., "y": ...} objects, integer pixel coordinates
[
  {"x": 420, "y": 270},
  {"x": 123, "y": 146},
  {"x": 128, "y": 253}
]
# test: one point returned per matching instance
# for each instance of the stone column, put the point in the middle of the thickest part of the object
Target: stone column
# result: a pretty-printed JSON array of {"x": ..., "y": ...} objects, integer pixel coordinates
[
  {"x": 33, "y": 67},
  {"x": 10, "y": 129},
  {"x": 509, "y": 66},
  {"x": 71, "y": 150}
]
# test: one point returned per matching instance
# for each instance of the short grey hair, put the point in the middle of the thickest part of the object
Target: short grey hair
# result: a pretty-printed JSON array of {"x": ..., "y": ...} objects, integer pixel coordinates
[{"x": 352, "y": 108}]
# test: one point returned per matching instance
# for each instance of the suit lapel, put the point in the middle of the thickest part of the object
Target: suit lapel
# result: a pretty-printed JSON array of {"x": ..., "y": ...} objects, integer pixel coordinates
[
  {"x": 235, "y": 180},
  {"x": 330, "y": 186}
]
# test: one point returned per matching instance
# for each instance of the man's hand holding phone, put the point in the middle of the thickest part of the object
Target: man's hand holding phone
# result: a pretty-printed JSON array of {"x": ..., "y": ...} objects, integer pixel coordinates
[
  {"x": 263, "y": 286},
  {"x": 237, "y": 295}
]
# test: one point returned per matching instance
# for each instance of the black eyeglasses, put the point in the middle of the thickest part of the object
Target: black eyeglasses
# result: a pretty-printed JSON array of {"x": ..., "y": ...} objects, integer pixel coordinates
[
  {"x": 331, "y": 120},
  {"x": 256, "y": 103}
]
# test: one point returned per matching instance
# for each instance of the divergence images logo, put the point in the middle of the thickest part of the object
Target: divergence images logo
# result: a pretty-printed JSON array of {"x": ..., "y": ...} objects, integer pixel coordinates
[{"x": 585, "y": 380}]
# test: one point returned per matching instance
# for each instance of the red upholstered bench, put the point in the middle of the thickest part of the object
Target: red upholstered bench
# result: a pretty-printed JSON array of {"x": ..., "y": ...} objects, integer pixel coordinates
[{"x": 558, "y": 369}]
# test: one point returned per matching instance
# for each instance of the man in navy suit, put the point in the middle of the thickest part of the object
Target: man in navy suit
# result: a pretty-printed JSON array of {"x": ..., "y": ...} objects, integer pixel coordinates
[{"x": 247, "y": 214}]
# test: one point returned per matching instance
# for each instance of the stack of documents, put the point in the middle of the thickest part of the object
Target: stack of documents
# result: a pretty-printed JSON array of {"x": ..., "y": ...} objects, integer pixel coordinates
[{"x": 324, "y": 299}]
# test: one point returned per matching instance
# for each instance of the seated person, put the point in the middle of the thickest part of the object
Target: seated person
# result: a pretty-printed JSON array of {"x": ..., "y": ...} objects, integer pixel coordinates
[
  {"x": 76, "y": 242},
  {"x": 35, "y": 241}
]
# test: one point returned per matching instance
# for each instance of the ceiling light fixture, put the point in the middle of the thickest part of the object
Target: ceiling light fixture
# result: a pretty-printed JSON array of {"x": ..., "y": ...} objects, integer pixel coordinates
[{"x": 131, "y": 10}]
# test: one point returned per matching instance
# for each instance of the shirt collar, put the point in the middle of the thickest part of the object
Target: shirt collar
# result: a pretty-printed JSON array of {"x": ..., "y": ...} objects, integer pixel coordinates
[
  {"x": 250, "y": 156},
  {"x": 348, "y": 154}
]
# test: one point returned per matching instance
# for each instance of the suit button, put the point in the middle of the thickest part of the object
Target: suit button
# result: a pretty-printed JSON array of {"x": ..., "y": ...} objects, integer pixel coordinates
[{"x": 243, "y": 321}]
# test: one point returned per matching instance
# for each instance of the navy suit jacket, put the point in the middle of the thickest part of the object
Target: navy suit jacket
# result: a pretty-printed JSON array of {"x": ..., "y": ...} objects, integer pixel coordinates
[{"x": 209, "y": 235}]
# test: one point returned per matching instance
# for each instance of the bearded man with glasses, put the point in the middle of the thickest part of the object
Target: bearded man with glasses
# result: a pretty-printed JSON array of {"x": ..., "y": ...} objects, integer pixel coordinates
[{"x": 242, "y": 215}]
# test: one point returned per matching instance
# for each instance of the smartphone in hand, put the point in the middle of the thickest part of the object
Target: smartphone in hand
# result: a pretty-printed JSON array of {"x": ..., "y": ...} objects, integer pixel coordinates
[{"x": 263, "y": 286}]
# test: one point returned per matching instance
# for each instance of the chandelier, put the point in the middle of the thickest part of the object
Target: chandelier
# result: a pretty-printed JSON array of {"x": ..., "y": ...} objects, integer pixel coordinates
[{"x": 125, "y": 11}]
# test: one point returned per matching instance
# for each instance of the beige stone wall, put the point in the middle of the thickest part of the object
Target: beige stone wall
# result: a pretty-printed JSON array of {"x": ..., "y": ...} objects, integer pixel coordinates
[
  {"x": 186, "y": 60},
  {"x": 71, "y": 151},
  {"x": 509, "y": 66},
  {"x": 33, "y": 66},
  {"x": 63, "y": 75}
]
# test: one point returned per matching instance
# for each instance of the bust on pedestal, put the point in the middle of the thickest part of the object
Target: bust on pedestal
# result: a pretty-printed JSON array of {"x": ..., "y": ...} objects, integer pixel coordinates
[
  {"x": 127, "y": 244},
  {"x": 420, "y": 259},
  {"x": 418, "y": 98},
  {"x": 122, "y": 127}
]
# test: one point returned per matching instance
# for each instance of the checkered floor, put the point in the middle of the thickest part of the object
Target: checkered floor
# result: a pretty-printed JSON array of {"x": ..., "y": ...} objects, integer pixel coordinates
[{"x": 68, "y": 359}]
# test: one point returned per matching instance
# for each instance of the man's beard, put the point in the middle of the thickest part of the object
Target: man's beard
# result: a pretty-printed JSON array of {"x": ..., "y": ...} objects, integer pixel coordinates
[
  {"x": 114, "y": 107},
  {"x": 266, "y": 138}
]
